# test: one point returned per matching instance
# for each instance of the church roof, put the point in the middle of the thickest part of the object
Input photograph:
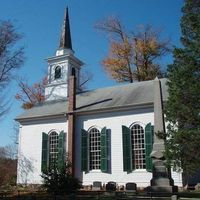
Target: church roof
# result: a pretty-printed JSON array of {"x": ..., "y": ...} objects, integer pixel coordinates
[{"x": 110, "y": 98}]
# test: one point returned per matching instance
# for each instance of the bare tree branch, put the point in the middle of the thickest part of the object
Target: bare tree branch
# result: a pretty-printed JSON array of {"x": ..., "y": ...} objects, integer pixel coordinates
[
  {"x": 85, "y": 77},
  {"x": 31, "y": 95},
  {"x": 11, "y": 58}
]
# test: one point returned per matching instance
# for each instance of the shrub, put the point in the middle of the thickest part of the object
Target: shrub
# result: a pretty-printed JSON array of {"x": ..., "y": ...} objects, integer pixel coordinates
[{"x": 60, "y": 180}]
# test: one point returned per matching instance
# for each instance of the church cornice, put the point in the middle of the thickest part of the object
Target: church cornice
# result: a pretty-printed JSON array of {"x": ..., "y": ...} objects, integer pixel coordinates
[
  {"x": 41, "y": 119},
  {"x": 78, "y": 112},
  {"x": 61, "y": 58}
]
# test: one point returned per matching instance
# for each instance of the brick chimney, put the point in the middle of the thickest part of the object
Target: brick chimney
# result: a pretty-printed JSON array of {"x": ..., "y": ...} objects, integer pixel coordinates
[{"x": 71, "y": 120}]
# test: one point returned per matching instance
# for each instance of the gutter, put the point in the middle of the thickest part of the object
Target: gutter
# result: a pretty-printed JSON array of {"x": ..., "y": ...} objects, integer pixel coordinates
[{"x": 88, "y": 112}]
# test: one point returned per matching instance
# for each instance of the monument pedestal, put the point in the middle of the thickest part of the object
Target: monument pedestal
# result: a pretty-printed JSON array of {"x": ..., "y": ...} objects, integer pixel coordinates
[
  {"x": 162, "y": 190},
  {"x": 161, "y": 181}
]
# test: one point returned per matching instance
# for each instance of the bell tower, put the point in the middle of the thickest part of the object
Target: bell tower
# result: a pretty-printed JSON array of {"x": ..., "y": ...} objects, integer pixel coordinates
[{"x": 61, "y": 66}]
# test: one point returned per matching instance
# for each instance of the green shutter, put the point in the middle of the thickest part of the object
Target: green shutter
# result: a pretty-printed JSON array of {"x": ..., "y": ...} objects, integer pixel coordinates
[
  {"x": 84, "y": 150},
  {"x": 45, "y": 152},
  {"x": 149, "y": 131},
  {"x": 61, "y": 150},
  {"x": 104, "y": 150},
  {"x": 152, "y": 134},
  {"x": 127, "y": 151}
]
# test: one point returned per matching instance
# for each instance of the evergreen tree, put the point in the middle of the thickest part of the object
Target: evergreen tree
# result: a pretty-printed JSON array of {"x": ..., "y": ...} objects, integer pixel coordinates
[
  {"x": 183, "y": 105},
  {"x": 59, "y": 180}
]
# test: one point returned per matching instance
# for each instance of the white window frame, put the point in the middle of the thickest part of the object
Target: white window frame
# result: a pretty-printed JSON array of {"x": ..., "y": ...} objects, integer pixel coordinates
[
  {"x": 138, "y": 147},
  {"x": 53, "y": 147},
  {"x": 94, "y": 149}
]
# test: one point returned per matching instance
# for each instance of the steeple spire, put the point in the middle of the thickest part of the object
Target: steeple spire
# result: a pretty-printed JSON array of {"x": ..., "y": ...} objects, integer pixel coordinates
[{"x": 65, "y": 39}]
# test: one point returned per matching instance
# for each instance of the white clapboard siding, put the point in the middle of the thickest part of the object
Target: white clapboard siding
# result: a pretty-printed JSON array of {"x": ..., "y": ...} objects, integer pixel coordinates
[{"x": 30, "y": 149}]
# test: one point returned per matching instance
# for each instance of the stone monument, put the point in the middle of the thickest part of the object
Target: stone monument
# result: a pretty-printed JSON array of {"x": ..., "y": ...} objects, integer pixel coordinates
[{"x": 161, "y": 181}]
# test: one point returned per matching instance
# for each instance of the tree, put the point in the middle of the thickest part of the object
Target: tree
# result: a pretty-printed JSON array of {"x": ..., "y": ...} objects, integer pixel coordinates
[
  {"x": 183, "y": 105},
  {"x": 11, "y": 58},
  {"x": 35, "y": 94},
  {"x": 31, "y": 95},
  {"x": 85, "y": 77},
  {"x": 8, "y": 166},
  {"x": 60, "y": 181},
  {"x": 133, "y": 56}
]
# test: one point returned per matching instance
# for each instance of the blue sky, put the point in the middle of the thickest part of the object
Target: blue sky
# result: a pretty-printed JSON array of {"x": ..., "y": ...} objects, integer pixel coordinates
[{"x": 40, "y": 23}]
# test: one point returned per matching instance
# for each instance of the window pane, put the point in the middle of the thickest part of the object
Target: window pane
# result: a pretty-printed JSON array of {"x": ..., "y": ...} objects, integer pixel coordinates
[
  {"x": 95, "y": 149},
  {"x": 138, "y": 146},
  {"x": 53, "y": 148}
]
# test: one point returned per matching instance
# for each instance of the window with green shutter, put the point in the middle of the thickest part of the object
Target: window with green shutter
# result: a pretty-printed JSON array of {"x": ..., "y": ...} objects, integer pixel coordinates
[
  {"x": 127, "y": 153},
  {"x": 105, "y": 141},
  {"x": 134, "y": 149},
  {"x": 95, "y": 149},
  {"x": 84, "y": 150},
  {"x": 149, "y": 133},
  {"x": 53, "y": 150},
  {"x": 45, "y": 152}
]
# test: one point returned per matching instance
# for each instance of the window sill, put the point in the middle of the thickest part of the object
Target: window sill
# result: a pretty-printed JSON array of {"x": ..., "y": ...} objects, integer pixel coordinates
[
  {"x": 140, "y": 170},
  {"x": 95, "y": 171}
]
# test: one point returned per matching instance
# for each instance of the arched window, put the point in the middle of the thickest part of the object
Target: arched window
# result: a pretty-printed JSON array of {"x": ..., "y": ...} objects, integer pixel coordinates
[
  {"x": 57, "y": 72},
  {"x": 94, "y": 149},
  {"x": 138, "y": 146},
  {"x": 53, "y": 148}
]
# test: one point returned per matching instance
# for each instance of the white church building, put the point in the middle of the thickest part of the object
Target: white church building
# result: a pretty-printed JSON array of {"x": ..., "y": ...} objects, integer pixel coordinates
[{"x": 106, "y": 133}]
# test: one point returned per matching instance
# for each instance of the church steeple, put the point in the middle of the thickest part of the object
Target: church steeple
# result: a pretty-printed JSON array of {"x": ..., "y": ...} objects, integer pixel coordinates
[
  {"x": 65, "y": 38},
  {"x": 61, "y": 66}
]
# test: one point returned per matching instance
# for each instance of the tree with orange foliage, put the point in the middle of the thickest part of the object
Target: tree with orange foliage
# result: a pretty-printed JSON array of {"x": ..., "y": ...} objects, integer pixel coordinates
[
  {"x": 31, "y": 95},
  {"x": 133, "y": 57}
]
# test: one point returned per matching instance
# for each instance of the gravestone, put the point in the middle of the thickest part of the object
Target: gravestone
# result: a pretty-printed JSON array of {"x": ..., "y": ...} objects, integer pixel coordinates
[
  {"x": 131, "y": 187},
  {"x": 97, "y": 185},
  {"x": 111, "y": 186}
]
